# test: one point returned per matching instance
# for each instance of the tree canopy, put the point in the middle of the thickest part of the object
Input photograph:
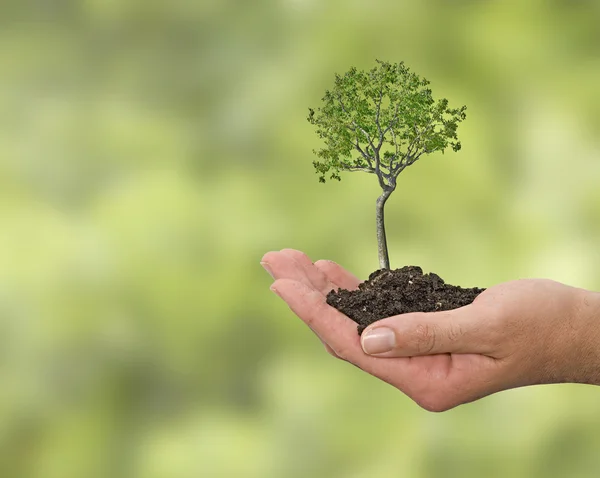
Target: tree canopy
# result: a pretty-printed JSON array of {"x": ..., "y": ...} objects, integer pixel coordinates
[{"x": 381, "y": 121}]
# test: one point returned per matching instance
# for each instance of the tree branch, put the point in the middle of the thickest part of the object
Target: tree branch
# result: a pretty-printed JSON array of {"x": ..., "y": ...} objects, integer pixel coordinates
[
  {"x": 384, "y": 176},
  {"x": 418, "y": 135},
  {"x": 393, "y": 122},
  {"x": 396, "y": 145},
  {"x": 357, "y": 168},
  {"x": 364, "y": 155},
  {"x": 377, "y": 119},
  {"x": 390, "y": 127},
  {"x": 416, "y": 157},
  {"x": 400, "y": 167},
  {"x": 354, "y": 122}
]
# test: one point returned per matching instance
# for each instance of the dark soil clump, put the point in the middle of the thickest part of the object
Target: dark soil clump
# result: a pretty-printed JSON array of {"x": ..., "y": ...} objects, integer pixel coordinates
[{"x": 392, "y": 292}]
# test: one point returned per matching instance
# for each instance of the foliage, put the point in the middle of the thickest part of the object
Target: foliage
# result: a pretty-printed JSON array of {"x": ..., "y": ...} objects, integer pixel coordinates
[{"x": 380, "y": 122}]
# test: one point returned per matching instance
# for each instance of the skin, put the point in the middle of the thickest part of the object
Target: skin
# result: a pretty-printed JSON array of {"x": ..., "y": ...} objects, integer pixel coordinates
[{"x": 518, "y": 333}]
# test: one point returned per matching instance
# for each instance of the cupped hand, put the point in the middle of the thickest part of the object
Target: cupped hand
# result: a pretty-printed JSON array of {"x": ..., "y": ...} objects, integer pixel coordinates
[{"x": 522, "y": 332}]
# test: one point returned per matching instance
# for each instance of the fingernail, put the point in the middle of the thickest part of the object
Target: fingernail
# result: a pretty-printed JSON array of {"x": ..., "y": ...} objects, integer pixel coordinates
[
  {"x": 267, "y": 267},
  {"x": 378, "y": 341},
  {"x": 273, "y": 289}
]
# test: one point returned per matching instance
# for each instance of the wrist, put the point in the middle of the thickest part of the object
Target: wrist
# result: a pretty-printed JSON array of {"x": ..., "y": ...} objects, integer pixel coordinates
[{"x": 586, "y": 328}]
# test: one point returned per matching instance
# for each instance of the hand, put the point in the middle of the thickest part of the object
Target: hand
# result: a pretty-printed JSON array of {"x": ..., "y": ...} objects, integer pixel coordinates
[{"x": 523, "y": 332}]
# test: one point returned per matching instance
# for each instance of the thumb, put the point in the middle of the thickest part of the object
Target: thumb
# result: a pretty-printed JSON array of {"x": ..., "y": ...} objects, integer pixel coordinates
[{"x": 421, "y": 333}]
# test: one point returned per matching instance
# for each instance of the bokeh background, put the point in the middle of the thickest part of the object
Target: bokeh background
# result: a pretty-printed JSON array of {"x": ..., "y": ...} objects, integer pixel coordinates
[{"x": 151, "y": 152}]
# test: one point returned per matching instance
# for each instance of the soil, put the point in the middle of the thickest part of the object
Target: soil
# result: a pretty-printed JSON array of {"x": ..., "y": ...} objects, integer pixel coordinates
[{"x": 392, "y": 292}]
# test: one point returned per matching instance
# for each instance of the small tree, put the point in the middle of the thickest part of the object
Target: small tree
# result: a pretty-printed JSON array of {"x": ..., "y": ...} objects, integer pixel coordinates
[{"x": 380, "y": 122}]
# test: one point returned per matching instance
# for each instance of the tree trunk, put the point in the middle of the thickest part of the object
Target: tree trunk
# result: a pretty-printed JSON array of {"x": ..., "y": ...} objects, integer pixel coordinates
[{"x": 384, "y": 260}]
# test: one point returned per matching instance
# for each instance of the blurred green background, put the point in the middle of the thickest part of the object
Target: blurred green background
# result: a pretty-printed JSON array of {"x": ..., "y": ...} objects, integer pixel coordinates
[{"x": 152, "y": 151}]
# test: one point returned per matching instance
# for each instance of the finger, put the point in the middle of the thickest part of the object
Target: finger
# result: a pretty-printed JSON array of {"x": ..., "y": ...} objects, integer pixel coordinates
[
  {"x": 328, "y": 348},
  {"x": 332, "y": 326},
  {"x": 314, "y": 275},
  {"x": 407, "y": 335},
  {"x": 284, "y": 266},
  {"x": 316, "y": 278},
  {"x": 337, "y": 275},
  {"x": 267, "y": 262},
  {"x": 299, "y": 256}
]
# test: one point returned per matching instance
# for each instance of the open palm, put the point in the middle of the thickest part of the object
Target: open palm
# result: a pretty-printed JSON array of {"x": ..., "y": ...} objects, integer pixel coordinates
[{"x": 459, "y": 356}]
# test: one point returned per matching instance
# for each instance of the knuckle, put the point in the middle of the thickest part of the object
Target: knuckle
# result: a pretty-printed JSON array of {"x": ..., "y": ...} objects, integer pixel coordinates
[
  {"x": 293, "y": 253},
  {"x": 343, "y": 353},
  {"x": 425, "y": 337},
  {"x": 325, "y": 264},
  {"x": 454, "y": 332}
]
